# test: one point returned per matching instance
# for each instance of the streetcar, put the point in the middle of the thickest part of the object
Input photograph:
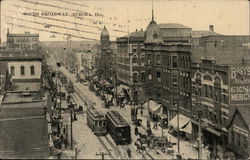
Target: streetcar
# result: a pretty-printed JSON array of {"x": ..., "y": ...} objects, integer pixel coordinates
[
  {"x": 118, "y": 128},
  {"x": 96, "y": 121}
]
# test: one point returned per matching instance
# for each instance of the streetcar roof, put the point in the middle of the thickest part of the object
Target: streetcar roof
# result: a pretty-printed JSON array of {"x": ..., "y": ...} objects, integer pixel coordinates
[
  {"x": 95, "y": 113},
  {"x": 117, "y": 118}
]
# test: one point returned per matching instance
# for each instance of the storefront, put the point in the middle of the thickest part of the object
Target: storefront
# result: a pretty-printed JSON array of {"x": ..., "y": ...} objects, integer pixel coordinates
[{"x": 185, "y": 125}]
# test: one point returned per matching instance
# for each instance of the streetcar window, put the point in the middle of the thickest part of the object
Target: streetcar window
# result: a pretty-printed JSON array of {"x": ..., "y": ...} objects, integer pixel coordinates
[
  {"x": 95, "y": 124},
  {"x": 104, "y": 123},
  {"x": 100, "y": 123}
]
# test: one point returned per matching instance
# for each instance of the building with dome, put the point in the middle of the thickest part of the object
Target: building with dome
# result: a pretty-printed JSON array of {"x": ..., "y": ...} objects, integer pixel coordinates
[
  {"x": 157, "y": 61},
  {"x": 104, "y": 56}
]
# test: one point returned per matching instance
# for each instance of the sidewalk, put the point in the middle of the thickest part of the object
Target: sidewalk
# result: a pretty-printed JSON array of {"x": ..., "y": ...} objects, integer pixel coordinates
[{"x": 185, "y": 146}]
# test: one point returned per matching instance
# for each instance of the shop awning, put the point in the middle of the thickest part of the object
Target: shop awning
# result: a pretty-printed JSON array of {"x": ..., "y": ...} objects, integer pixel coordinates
[
  {"x": 153, "y": 106},
  {"x": 183, "y": 121},
  {"x": 187, "y": 128}
]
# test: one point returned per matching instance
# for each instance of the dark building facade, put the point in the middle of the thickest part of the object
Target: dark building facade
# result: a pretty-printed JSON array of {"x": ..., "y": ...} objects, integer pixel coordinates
[
  {"x": 168, "y": 62},
  {"x": 103, "y": 58},
  {"x": 210, "y": 92},
  {"x": 238, "y": 133}
]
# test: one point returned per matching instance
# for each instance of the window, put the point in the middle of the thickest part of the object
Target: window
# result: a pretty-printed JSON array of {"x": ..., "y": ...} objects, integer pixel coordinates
[
  {"x": 142, "y": 60},
  {"x": 174, "y": 61},
  {"x": 155, "y": 36},
  {"x": 12, "y": 70},
  {"x": 134, "y": 59},
  {"x": 206, "y": 90},
  {"x": 238, "y": 139},
  {"x": 143, "y": 77},
  {"x": 149, "y": 58},
  {"x": 210, "y": 92},
  {"x": 158, "y": 59},
  {"x": 149, "y": 75},
  {"x": 158, "y": 75},
  {"x": 100, "y": 123},
  {"x": 22, "y": 71},
  {"x": 32, "y": 70},
  {"x": 245, "y": 142},
  {"x": 232, "y": 136},
  {"x": 174, "y": 80},
  {"x": 135, "y": 77}
]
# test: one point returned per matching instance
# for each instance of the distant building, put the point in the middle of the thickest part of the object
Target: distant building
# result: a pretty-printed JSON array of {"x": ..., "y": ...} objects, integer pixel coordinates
[
  {"x": 22, "y": 42},
  {"x": 25, "y": 71},
  {"x": 85, "y": 62},
  {"x": 103, "y": 59},
  {"x": 225, "y": 49},
  {"x": 239, "y": 132}
]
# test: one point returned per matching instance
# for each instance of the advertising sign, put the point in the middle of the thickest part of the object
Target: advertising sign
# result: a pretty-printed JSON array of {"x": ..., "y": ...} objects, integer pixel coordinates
[{"x": 239, "y": 85}]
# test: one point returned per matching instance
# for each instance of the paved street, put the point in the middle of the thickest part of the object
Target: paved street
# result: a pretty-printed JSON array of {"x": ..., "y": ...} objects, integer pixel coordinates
[{"x": 80, "y": 128}]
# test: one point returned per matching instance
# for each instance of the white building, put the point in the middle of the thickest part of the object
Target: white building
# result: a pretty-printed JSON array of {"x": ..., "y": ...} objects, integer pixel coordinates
[
  {"x": 85, "y": 62},
  {"x": 25, "y": 71}
]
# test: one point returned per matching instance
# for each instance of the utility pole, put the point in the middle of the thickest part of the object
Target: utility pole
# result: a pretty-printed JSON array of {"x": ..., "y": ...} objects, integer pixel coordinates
[
  {"x": 71, "y": 129},
  {"x": 178, "y": 128},
  {"x": 199, "y": 134}
]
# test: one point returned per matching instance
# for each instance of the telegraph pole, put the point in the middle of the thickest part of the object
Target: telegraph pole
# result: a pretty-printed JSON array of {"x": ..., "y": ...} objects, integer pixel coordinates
[{"x": 71, "y": 129}]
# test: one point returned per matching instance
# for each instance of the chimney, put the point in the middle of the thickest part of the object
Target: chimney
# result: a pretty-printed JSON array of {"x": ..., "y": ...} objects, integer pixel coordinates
[{"x": 211, "y": 28}]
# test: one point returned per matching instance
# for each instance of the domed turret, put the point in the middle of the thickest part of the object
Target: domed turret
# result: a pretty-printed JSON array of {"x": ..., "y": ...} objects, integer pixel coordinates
[
  {"x": 104, "y": 33},
  {"x": 105, "y": 38},
  {"x": 153, "y": 33}
]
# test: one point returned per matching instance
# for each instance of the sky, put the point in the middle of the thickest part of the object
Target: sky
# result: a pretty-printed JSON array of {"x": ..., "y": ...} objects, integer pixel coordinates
[{"x": 72, "y": 20}]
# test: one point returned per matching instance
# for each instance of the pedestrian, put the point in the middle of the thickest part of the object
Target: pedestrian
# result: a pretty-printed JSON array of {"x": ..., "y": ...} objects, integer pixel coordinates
[
  {"x": 136, "y": 130},
  {"x": 129, "y": 153},
  {"x": 141, "y": 111},
  {"x": 136, "y": 111}
]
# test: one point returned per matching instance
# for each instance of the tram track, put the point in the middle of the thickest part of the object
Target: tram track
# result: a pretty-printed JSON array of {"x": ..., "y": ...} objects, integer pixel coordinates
[
  {"x": 105, "y": 147},
  {"x": 113, "y": 146}
]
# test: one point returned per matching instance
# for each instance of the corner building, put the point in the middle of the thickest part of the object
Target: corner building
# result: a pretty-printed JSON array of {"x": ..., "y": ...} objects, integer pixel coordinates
[{"x": 167, "y": 66}]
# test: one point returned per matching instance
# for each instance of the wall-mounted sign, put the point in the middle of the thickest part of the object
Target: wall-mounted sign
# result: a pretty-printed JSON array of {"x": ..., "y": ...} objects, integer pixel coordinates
[{"x": 239, "y": 90}]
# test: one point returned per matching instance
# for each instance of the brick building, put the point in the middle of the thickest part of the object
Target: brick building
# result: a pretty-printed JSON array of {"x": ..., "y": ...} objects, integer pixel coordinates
[
  {"x": 210, "y": 90},
  {"x": 225, "y": 49},
  {"x": 218, "y": 90},
  {"x": 22, "y": 42},
  {"x": 167, "y": 64}
]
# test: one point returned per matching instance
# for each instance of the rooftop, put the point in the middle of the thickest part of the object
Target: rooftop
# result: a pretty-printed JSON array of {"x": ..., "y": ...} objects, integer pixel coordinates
[
  {"x": 245, "y": 112},
  {"x": 20, "y": 57},
  {"x": 21, "y": 97},
  {"x": 172, "y": 25},
  {"x": 198, "y": 34},
  {"x": 25, "y": 34},
  {"x": 18, "y": 137}
]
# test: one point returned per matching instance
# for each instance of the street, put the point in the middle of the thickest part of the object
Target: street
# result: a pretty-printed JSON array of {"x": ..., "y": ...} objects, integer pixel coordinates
[{"x": 88, "y": 144}]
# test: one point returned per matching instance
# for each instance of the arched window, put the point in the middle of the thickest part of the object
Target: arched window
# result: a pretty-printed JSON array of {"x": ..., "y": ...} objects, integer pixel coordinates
[
  {"x": 143, "y": 77},
  {"x": 135, "y": 77},
  {"x": 22, "y": 71},
  {"x": 155, "y": 35},
  {"x": 12, "y": 70},
  {"x": 217, "y": 89},
  {"x": 207, "y": 77},
  {"x": 32, "y": 70},
  {"x": 134, "y": 59},
  {"x": 142, "y": 59}
]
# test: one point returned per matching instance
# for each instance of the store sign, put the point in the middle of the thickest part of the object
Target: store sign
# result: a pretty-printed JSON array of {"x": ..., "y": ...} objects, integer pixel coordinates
[{"x": 239, "y": 84}]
